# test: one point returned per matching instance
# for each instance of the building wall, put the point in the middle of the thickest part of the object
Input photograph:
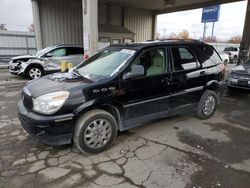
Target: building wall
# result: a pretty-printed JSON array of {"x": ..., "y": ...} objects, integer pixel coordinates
[
  {"x": 61, "y": 22},
  {"x": 14, "y": 43},
  {"x": 109, "y": 15},
  {"x": 140, "y": 22}
]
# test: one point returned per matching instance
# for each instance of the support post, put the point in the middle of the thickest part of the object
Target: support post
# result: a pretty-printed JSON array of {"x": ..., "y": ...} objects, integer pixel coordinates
[
  {"x": 245, "y": 42},
  {"x": 212, "y": 36},
  {"x": 37, "y": 23},
  {"x": 204, "y": 31},
  {"x": 90, "y": 26},
  {"x": 154, "y": 25}
]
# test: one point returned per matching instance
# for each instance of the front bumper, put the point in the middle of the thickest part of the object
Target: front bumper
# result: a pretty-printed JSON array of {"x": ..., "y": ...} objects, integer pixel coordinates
[
  {"x": 51, "y": 130},
  {"x": 238, "y": 83}
]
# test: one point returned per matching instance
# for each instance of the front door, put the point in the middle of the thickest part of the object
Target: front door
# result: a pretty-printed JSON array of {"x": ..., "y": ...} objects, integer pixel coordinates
[
  {"x": 56, "y": 57},
  {"x": 147, "y": 97}
]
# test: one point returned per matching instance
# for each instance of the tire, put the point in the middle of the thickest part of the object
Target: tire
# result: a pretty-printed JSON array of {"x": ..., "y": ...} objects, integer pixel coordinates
[
  {"x": 209, "y": 98},
  {"x": 88, "y": 139},
  {"x": 34, "y": 72},
  {"x": 235, "y": 58}
]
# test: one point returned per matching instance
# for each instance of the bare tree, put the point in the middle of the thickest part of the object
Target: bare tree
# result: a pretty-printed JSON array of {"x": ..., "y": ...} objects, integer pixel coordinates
[
  {"x": 184, "y": 34},
  {"x": 210, "y": 39},
  {"x": 235, "y": 40},
  {"x": 3, "y": 27},
  {"x": 31, "y": 28},
  {"x": 173, "y": 36}
]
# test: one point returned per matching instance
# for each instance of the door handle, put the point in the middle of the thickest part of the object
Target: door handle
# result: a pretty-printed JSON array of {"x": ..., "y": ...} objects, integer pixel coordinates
[
  {"x": 203, "y": 73},
  {"x": 166, "y": 80}
]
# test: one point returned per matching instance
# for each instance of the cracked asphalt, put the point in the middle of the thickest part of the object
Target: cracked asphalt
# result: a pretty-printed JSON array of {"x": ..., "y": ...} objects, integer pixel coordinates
[{"x": 180, "y": 151}]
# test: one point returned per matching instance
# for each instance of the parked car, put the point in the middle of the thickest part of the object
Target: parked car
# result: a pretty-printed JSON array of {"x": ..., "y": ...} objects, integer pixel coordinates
[
  {"x": 233, "y": 53},
  {"x": 119, "y": 88},
  {"x": 239, "y": 76},
  {"x": 45, "y": 61},
  {"x": 224, "y": 57}
]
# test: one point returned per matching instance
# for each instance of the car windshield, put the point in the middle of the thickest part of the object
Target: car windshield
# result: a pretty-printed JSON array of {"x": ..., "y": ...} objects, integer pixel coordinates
[
  {"x": 104, "y": 64},
  {"x": 43, "y": 51},
  {"x": 247, "y": 63}
]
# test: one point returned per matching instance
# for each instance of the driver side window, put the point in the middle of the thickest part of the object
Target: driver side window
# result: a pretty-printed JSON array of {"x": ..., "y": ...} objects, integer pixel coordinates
[
  {"x": 153, "y": 61},
  {"x": 60, "y": 52}
]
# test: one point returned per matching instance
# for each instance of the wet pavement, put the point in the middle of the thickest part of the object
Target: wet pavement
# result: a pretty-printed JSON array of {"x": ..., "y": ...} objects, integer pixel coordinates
[{"x": 180, "y": 151}]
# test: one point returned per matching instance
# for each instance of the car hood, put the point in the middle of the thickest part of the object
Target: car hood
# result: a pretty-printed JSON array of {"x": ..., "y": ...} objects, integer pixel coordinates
[
  {"x": 241, "y": 69},
  {"x": 23, "y": 57},
  {"x": 55, "y": 82}
]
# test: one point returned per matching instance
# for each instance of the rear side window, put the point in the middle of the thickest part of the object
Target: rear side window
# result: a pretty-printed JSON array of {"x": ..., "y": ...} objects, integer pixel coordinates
[
  {"x": 209, "y": 56},
  {"x": 184, "y": 59},
  {"x": 75, "y": 51},
  {"x": 216, "y": 57}
]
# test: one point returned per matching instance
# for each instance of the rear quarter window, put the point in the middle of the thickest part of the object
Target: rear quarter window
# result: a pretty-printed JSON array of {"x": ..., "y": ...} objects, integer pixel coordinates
[
  {"x": 208, "y": 55},
  {"x": 75, "y": 51}
]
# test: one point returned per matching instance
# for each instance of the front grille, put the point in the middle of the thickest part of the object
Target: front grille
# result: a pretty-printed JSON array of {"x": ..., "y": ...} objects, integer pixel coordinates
[{"x": 27, "y": 101}]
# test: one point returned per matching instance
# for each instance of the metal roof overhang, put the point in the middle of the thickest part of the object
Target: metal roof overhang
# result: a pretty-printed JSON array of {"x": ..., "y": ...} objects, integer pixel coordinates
[{"x": 165, "y": 6}]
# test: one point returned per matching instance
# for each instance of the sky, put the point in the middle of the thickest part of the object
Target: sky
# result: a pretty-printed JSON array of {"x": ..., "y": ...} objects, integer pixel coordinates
[
  {"x": 17, "y": 14},
  {"x": 231, "y": 22}
]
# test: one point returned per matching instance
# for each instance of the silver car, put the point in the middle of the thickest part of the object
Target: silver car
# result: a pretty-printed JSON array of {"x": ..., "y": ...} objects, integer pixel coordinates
[
  {"x": 239, "y": 76},
  {"x": 46, "y": 61}
]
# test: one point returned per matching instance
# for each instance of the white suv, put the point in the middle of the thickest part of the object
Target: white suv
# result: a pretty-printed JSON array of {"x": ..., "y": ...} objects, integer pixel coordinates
[
  {"x": 45, "y": 61},
  {"x": 233, "y": 53}
]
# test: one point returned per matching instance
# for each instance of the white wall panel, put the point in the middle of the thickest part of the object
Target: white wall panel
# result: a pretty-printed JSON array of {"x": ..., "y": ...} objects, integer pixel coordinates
[
  {"x": 140, "y": 22},
  {"x": 61, "y": 22}
]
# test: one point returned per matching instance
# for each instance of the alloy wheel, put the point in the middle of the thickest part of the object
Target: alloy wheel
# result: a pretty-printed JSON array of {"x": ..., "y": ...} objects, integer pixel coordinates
[
  {"x": 209, "y": 105},
  {"x": 98, "y": 133}
]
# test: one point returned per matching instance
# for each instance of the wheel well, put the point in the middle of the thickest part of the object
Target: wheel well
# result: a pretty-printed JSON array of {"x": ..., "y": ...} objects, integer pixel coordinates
[
  {"x": 35, "y": 65},
  {"x": 216, "y": 88},
  {"x": 114, "y": 112}
]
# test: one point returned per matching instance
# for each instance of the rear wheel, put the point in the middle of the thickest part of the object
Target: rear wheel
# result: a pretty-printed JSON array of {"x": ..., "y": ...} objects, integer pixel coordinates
[
  {"x": 207, "y": 105},
  {"x": 34, "y": 72},
  {"x": 95, "y": 131}
]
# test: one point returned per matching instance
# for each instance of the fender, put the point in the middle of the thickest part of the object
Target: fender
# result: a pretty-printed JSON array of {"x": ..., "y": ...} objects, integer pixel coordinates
[
  {"x": 31, "y": 62},
  {"x": 111, "y": 106},
  {"x": 212, "y": 82},
  {"x": 215, "y": 86}
]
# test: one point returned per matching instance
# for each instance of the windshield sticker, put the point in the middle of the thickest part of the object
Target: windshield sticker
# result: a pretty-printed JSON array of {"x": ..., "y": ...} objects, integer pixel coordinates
[{"x": 131, "y": 52}]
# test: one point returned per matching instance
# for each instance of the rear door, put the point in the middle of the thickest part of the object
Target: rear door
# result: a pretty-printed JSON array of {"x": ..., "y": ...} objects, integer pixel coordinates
[
  {"x": 147, "y": 97},
  {"x": 188, "y": 78}
]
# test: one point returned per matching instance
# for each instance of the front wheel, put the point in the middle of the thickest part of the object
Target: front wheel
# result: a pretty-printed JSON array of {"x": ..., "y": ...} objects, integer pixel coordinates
[
  {"x": 34, "y": 72},
  {"x": 95, "y": 131},
  {"x": 207, "y": 105}
]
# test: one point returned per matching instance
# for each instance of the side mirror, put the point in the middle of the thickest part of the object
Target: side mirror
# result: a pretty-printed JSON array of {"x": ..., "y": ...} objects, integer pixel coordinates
[
  {"x": 136, "y": 71},
  {"x": 48, "y": 55}
]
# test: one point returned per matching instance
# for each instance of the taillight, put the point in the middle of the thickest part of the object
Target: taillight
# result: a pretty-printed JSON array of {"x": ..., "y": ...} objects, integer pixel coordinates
[
  {"x": 222, "y": 68},
  {"x": 85, "y": 57}
]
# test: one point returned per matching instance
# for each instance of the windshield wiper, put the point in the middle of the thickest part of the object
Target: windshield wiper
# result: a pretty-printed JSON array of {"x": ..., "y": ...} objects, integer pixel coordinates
[{"x": 75, "y": 72}]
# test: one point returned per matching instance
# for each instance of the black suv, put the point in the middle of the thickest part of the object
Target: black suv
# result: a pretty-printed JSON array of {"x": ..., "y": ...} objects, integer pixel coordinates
[{"x": 119, "y": 88}]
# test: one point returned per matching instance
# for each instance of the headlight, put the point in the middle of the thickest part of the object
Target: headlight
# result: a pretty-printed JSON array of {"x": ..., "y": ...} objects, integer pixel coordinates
[{"x": 50, "y": 103}]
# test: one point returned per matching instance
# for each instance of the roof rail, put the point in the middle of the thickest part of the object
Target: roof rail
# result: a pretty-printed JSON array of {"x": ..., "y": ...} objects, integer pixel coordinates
[{"x": 173, "y": 39}]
